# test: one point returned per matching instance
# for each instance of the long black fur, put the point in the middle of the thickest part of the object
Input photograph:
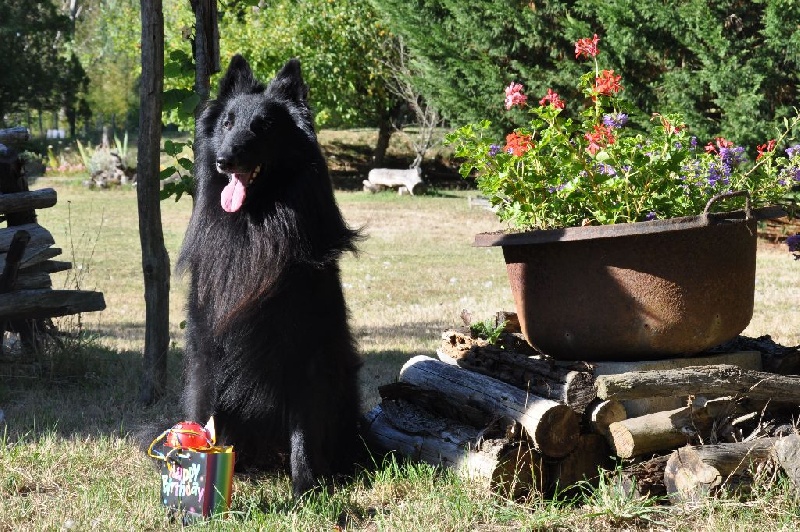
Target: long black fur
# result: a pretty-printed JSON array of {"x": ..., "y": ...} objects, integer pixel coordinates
[{"x": 268, "y": 348}]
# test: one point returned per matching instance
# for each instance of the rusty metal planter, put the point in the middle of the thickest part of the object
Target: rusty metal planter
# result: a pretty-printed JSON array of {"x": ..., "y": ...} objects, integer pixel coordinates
[{"x": 635, "y": 291}]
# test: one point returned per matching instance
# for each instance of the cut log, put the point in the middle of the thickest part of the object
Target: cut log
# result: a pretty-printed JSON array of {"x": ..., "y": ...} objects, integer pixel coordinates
[
  {"x": 33, "y": 304},
  {"x": 27, "y": 201},
  {"x": 602, "y": 413},
  {"x": 539, "y": 377},
  {"x": 645, "y": 479},
  {"x": 747, "y": 359},
  {"x": 512, "y": 468},
  {"x": 551, "y": 427},
  {"x": 437, "y": 403},
  {"x": 16, "y": 249},
  {"x": 661, "y": 431},
  {"x": 694, "y": 472},
  {"x": 582, "y": 464},
  {"x": 710, "y": 381},
  {"x": 786, "y": 452}
]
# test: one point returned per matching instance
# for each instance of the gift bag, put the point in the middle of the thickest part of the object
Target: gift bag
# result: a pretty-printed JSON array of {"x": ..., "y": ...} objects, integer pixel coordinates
[
  {"x": 196, "y": 474},
  {"x": 198, "y": 483}
]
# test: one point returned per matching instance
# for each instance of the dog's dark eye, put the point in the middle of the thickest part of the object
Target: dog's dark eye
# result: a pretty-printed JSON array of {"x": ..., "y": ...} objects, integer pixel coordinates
[{"x": 227, "y": 124}]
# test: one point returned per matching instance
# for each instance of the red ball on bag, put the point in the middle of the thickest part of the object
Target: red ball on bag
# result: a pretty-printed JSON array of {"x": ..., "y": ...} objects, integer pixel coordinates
[{"x": 189, "y": 435}]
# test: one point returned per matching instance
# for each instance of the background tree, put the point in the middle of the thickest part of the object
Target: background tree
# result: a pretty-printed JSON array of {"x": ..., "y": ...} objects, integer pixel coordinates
[
  {"x": 107, "y": 42},
  {"x": 465, "y": 53},
  {"x": 33, "y": 37},
  {"x": 728, "y": 66},
  {"x": 731, "y": 67},
  {"x": 341, "y": 48}
]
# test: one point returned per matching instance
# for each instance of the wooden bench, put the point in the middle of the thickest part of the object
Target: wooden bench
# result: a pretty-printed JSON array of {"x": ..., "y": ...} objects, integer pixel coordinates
[{"x": 407, "y": 181}]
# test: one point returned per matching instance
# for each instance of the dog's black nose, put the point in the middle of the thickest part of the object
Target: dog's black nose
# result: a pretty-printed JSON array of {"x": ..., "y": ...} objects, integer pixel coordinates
[{"x": 224, "y": 162}]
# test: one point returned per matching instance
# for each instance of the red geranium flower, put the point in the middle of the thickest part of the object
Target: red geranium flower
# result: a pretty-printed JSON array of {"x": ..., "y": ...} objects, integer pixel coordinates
[
  {"x": 587, "y": 47},
  {"x": 721, "y": 142},
  {"x": 763, "y": 149},
  {"x": 517, "y": 144},
  {"x": 601, "y": 136},
  {"x": 554, "y": 99},
  {"x": 607, "y": 83}
]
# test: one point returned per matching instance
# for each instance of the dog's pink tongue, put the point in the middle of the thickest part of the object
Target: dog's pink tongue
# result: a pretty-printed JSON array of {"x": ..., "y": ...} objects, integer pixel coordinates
[{"x": 233, "y": 195}]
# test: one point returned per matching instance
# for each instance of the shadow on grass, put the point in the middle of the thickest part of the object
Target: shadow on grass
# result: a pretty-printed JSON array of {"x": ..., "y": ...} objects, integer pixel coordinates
[{"x": 81, "y": 390}]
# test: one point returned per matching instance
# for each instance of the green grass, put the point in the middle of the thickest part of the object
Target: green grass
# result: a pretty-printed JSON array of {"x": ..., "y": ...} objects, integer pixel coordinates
[{"x": 70, "y": 452}]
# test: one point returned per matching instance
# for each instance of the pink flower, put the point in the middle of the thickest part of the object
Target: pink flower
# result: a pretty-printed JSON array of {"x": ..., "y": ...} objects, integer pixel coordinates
[
  {"x": 586, "y": 47},
  {"x": 514, "y": 95},
  {"x": 554, "y": 99}
]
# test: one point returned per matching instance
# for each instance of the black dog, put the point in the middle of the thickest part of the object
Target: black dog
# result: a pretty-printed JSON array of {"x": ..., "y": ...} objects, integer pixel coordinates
[{"x": 268, "y": 349}]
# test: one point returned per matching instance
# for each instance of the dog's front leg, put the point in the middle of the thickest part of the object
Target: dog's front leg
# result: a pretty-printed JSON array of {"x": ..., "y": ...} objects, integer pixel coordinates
[
  {"x": 304, "y": 459},
  {"x": 199, "y": 393}
]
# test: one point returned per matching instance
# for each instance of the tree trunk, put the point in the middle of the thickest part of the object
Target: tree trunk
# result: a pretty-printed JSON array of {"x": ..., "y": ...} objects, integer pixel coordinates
[
  {"x": 385, "y": 130},
  {"x": 206, "y": 47},
  {"x": 155, "y": 261}
]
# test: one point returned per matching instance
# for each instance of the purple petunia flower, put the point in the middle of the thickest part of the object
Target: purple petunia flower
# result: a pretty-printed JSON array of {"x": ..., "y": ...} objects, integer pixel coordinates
[
  {"x": 494, "y": 149},
  {"x": 615, "y": 120},
  {"x": 650, "y": 216},
  {"x": 606, "y": 169},
  {"x": 693, "y": 142},
  {"x": 791, "y": 151}
]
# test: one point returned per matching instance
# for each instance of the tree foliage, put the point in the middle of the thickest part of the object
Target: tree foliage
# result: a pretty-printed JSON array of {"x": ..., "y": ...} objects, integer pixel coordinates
[
  {"x": 730, "y": 66},
  {"x": 341, "y": 45},
  {"x": 35, "y": 60},
  {"x": 107, "y": 39}
]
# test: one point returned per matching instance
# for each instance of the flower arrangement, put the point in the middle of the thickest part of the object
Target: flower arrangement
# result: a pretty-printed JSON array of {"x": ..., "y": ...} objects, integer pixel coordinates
[{"x": 559, "y": 171}]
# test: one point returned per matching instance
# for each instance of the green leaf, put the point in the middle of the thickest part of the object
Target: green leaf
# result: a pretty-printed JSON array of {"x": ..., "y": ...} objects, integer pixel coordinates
[
  {"x": 186, "y": 164},
  {"x": 188, "y": 105},
  {"x": 167, "y": 172}
]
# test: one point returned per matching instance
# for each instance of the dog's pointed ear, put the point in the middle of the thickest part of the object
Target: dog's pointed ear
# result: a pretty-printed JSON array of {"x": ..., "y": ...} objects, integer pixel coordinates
[
  {"x": 238, "y": 78},
  {"x": 289, "y": 82}
]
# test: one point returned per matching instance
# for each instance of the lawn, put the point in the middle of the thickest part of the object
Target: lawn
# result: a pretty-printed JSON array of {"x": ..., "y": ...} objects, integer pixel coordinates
[{"x": 70, "y": 451}]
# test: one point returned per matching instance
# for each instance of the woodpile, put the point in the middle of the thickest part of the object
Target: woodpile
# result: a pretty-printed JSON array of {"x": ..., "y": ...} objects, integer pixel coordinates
[
  {"x": 27, "y": 254},
  {"x": 519, "y": 421}
]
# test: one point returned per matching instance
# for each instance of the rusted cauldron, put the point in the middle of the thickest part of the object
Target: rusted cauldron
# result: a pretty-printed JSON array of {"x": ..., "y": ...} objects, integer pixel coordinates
[{"x": 635, "y": 291}]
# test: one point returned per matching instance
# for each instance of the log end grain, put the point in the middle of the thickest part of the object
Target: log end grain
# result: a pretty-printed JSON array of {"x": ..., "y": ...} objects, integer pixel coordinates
[{"x": 557, "y": 432}]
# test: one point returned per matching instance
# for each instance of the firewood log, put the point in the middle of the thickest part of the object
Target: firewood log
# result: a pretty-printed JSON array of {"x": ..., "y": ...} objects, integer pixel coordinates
[
  {"x": 722, "y": 379},
  {"x": 510, "y": 467},
  {"x": 661, "y": 431},
  {"x": 602, "y": 413},
  {"x": 693, "y": 472},
  {"x": 573, "y": 388},
  {"x": 552, "y": 427}
]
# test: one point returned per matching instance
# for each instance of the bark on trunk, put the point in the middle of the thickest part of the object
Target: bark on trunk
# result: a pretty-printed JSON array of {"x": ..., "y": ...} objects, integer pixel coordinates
[{"x": 155, "y": 261}]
